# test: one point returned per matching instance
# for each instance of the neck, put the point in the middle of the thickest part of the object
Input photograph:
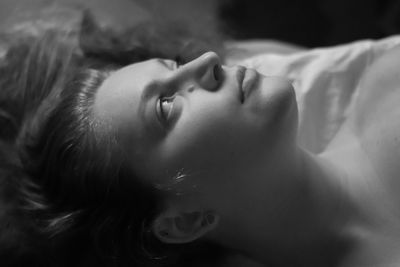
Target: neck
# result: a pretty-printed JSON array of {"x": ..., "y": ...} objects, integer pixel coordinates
[{"x": 310, "y": 224}]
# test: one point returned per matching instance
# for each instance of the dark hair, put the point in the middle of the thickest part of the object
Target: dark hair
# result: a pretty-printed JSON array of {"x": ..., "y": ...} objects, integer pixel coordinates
[
  {"x": 84, "y": 183},
  {"x": 75, "y": 184}
]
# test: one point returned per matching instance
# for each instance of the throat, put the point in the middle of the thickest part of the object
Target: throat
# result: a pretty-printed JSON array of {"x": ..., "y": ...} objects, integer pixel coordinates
[
  {"x": 310, "y": 246},
  {"x": 310, "y": 224},
  {"x": 319, "y": 232}
]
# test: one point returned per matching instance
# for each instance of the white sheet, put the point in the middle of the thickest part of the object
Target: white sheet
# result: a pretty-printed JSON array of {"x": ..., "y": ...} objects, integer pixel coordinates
[{"x": 326, "y": 83}]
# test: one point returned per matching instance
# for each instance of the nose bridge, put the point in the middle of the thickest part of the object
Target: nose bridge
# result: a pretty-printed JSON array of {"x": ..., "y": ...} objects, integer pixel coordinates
[
  {"x": 199, "y": 67},
  {"x": 208, "y": 59}
]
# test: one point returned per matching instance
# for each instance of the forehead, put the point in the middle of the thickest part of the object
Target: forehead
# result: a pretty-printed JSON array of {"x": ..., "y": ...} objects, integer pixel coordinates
[{"x": 119, "y": 94}]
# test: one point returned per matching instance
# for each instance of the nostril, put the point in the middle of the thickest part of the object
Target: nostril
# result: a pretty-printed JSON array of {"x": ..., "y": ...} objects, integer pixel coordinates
[{"x": 217, "y": 72}]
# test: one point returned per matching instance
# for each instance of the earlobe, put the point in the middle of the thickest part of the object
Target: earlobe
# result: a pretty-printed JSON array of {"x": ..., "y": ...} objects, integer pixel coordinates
[{"x": 184, "y": 227}]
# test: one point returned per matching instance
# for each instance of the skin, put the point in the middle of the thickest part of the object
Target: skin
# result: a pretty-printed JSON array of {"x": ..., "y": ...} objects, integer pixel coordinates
[
  {"x": 243, "y": 168},
  {"x": 207, "y": 113},
  {"x": 221, "y": 144},
  {"x": 211, "y": 136}
]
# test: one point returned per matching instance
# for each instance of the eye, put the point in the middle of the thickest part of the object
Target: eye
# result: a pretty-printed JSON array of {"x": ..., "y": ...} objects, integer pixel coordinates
[{"x": 165, "y": 106}]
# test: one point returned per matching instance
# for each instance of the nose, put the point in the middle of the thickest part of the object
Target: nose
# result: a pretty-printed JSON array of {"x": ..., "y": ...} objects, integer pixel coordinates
[{"x": 205, "y": 70}]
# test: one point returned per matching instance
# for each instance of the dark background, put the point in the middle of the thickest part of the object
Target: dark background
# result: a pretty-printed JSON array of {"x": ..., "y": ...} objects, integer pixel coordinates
[{"x": 310, "y": 22}]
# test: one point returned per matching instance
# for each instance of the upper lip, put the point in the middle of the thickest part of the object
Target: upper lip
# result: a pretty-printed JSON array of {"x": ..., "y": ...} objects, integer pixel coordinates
[{"x": 240, "y": 74}]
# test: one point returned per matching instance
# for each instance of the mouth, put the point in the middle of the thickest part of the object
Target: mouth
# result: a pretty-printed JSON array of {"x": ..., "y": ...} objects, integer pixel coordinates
[{"x": 246, "y": 79}]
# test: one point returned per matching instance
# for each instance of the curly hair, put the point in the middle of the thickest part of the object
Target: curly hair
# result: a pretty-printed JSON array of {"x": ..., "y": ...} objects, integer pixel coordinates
[{"x": 84, "y": 200}]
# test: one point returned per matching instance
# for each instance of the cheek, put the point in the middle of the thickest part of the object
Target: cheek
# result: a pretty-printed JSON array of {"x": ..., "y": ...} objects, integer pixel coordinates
[
  {"x": 217, "y": 135},
  {"x": 204, "y": 132},
  {"x": 219, "y": 144}
]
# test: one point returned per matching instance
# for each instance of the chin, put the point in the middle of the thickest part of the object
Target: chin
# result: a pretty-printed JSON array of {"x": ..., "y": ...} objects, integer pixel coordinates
[{"x": 274, "y": 99}]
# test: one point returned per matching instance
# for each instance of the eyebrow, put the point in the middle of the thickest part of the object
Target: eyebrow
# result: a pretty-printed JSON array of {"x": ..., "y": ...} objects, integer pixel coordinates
[
  {"x": 164, "y": 63},
  {"x": 168, "y": 63}
]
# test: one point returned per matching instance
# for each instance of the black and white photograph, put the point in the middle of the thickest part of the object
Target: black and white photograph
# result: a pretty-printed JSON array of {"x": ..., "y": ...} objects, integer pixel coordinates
[{"x": 199, "y": 133}]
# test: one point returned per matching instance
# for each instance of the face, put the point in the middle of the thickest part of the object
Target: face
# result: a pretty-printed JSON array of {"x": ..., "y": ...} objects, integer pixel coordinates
[{"x": 210, "y": 122}]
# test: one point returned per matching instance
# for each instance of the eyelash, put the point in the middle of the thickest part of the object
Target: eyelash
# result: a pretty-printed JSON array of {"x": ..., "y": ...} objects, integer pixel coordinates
[{"x": 165, "y": 115}]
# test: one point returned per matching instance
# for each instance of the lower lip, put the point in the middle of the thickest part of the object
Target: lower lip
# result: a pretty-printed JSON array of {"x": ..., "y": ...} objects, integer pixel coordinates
[{"x": 250, "y": 78}]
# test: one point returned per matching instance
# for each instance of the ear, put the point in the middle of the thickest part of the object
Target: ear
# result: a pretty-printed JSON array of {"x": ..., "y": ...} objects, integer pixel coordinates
[{"x": 183, "y": 227}]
